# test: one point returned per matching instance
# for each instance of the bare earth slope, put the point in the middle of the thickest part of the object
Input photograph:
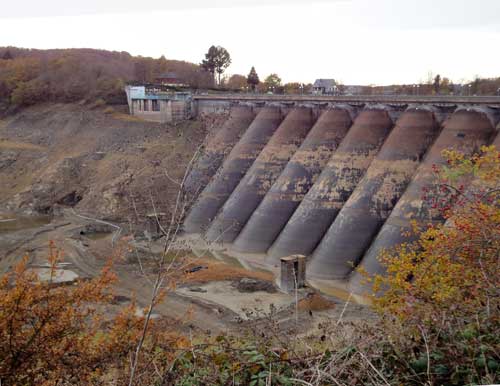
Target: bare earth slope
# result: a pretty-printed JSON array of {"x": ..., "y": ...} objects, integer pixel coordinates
[{"x": 99, "y": 161}]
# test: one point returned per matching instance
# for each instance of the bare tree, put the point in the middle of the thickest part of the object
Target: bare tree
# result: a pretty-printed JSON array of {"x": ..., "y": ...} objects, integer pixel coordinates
[{"x": 164, "y": 266}]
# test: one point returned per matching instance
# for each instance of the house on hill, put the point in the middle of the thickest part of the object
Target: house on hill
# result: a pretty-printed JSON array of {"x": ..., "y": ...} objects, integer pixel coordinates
[
  {"x": 324, "y": 87},
  {"x": 169, "y": 79}
]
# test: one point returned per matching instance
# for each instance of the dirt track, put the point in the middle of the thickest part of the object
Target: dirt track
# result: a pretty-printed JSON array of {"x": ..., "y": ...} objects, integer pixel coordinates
[{"x": 86, "y": 257}]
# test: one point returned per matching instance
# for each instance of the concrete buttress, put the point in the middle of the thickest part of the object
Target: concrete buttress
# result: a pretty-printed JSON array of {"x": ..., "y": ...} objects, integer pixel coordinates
[
  {"x": 335, "y": 184},
  {"x": 217, "y": 148},
  {"x": 295, "y": 181},
  {"x": 261, "y": 175},
  {"x": 465, "y": 130},
  {"x": 376, "y": 194},
  {"x": 233, "y": 169}
]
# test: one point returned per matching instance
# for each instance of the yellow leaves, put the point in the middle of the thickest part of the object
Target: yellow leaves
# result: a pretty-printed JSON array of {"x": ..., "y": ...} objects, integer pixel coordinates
[
  {"x": 485, "y": 167},
  {"x": 181, "y": 342},
  {"x": 284, "y": 355},
  {"x": 451, "y": 267}
]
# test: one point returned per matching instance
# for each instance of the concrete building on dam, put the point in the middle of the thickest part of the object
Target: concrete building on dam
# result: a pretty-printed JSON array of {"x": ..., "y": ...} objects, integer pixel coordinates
[
  {"x": 159, "y": 104},
  {"x": 336, "y": 179}
]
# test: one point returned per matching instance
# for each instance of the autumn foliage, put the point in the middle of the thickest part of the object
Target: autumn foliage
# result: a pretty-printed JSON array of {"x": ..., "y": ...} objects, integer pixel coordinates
[
  {"x": 29, "y": 77},
  {"x": 443, "y": 288},
  {"x": 52, "y": 334},
  {"x": 452, "y": 266}
]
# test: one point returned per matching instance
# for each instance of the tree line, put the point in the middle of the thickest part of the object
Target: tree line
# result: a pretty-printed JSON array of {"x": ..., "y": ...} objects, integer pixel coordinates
[{"x": 29, "y": 76}]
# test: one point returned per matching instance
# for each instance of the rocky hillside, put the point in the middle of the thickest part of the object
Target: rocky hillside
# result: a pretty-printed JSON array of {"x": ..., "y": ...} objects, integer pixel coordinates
[{"x": 100, "y": 161}]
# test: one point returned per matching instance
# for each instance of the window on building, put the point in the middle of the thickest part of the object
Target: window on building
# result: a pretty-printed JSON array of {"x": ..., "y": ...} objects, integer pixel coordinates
[
  {"x": 155, "y": 105},
  {"x": 146, "y": 106}
]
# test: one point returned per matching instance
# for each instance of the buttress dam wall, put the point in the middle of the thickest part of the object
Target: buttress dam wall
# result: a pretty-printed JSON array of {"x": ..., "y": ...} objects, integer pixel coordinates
[{"x": 336, "y": 182}]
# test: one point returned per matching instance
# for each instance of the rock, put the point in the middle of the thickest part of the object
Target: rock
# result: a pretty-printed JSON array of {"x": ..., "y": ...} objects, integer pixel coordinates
[
  {"x": 254, "y": 285},
  {"x": 96, "y": 228},
  {"x": 98, "y": 155},
  {"x": 198, "y": 289},
  {"x": 59, "y": 276},
  {"x": 7, "y": 158},
  {"x": 196, "y": 269}
]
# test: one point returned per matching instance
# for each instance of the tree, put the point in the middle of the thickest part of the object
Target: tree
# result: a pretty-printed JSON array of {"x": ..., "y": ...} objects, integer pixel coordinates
[
  {"x": 253, "y": 79},
  {"x": 437, "y": 83},
  {"x": 7, "y": 55},
  {"x": 161, "y": 66},
  {"x": 475, "y": 85},
  {"x": 29, "y": 93},
  {"x": 442, "y": 253},
  {"x": 293, "y": 88},
  {"x": 446, "y": 86},
  {"x": 272, "y": 82},
  {"x": 237, "y": 82},
  {"x": 216, "y": 61},
  {"x": 141, "y": 70}
]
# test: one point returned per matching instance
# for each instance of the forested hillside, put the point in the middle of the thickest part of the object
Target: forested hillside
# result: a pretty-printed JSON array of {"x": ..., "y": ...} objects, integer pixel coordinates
[{"x": 29, "y": 76}]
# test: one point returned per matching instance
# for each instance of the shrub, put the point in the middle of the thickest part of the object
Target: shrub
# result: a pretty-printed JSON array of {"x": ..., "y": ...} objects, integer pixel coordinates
[
  {"x": 52, "y": 334},
  {"x": 443, "y": 288}
]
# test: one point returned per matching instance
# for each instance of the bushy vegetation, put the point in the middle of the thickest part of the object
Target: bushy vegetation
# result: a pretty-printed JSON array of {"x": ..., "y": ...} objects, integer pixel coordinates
[
  {"x": 31, "y": 76},
  {"x": 442, "y": 290},
  {"x": 53, "y": 335},
  {"x": 438, "y": 317}
]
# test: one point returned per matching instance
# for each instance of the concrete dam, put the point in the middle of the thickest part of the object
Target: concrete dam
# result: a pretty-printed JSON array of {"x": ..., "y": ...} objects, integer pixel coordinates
[{"x": 335, "y": 180}]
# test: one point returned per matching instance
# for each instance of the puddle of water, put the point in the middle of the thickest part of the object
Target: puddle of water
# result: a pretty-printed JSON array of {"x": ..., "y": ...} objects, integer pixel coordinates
[
  {"x": 97, "y": 235},
  {"x": 59, "y": 275},
  {"x": 12, "y": 223}
]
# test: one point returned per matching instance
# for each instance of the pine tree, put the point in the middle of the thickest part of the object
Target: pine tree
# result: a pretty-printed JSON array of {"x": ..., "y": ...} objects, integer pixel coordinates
[
  {"x": 253, "y": 79},
  {"x": 217, "y": 59}
]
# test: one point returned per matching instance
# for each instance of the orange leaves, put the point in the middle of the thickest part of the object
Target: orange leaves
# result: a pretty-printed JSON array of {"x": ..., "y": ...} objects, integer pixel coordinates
[{"x": 51, "y": 333}]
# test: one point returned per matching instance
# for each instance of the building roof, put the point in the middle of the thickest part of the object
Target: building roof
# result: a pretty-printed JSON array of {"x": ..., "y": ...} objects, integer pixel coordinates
[{"x": 324, "y": 83}]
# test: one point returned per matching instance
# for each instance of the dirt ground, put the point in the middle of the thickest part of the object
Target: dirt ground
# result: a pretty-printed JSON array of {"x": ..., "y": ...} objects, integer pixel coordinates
[
  {"x": 207, "y": 297},
  {"x": 108, "y": 165}
]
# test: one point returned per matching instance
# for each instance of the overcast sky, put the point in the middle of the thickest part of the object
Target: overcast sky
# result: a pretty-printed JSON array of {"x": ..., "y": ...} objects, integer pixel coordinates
[{"x": 355, "y": 41}]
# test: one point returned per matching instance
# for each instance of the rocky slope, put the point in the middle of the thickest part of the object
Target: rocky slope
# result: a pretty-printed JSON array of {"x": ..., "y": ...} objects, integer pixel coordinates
[{"x": 102, "y": 162}]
